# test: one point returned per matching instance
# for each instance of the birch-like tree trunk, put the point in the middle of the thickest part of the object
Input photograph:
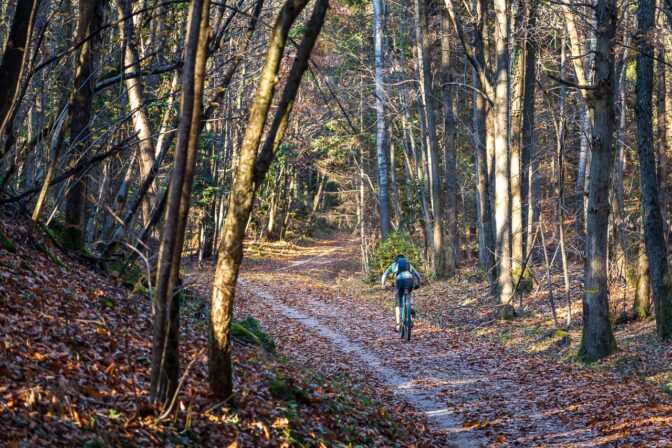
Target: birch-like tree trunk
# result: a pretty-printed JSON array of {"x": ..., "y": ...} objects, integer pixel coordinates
[
  {"x": 579, "y": 56},
  {"x": 502, "y": 161},
  {"x": 381, "y": 123},
  {"x": 137, "y": 103}
]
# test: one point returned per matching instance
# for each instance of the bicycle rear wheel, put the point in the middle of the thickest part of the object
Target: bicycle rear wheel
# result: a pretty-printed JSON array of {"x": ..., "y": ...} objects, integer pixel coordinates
[
  {"x": 408, "y": 321},
  {"x": 402, "y": 333}
]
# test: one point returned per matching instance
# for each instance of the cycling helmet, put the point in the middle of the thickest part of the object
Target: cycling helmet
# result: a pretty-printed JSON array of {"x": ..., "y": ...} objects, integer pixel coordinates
[{"x": 398, "y": 256}]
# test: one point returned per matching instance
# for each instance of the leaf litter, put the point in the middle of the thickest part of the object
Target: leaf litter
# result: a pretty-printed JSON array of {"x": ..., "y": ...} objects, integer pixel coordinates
[
  {"x": 75, "y": 350},
  {"x": 507, "y": 396}
]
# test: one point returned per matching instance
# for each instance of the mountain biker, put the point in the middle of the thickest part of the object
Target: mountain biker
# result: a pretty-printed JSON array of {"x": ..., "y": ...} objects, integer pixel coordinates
[{"x": 406, "y": 278}]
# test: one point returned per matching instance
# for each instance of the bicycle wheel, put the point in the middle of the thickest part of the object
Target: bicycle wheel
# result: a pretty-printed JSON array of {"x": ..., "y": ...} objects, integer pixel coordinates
[
  {"x": 402, "y": 333},
  {"x": 408, "y": 321}
]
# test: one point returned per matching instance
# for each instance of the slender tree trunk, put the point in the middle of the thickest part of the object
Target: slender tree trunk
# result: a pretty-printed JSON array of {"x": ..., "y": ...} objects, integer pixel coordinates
[
  {"x": 165, "y": 343},
  {"x": 581, "y": 75},
  {"x": 381, "y": 123},
  {"x": 14, "y": 59},
  {"x": 502, "y": 162},
  {"x": 136, "y": 101},
  {"x": 662, "y": 130},
  {"x": 483, "y": 117},
  {"x": 79, "y": 122},
  {"x": 598, "y": 339},
  {"x": 394, "y": 187},
  {"x": 35, "y": 119},
  {"x": 617, "y": 199},
  {"x": 654, "y": 227},
  {"x": 450, "y": 130},
  {"x": 424, "y": 72},
  {"x": 55, "y": 145},
  {"x": 642, "y": 304},
  {"x": 244, "y": 187},
  {"x": 529, "y": 144},
  {"x": 560, "y": 188},
  {"x": 209, "y": 221},
  {"x": 362, "y": 206}
]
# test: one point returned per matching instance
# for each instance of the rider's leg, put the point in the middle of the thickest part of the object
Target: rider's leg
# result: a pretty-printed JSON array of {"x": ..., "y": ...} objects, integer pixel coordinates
[
  {"x": 409, "y": 297},
  {"x": 397, "y": 306}
]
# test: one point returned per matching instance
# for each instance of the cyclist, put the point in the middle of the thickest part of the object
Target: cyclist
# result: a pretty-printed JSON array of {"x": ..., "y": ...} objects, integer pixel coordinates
[{"x": 406, "y": 278}]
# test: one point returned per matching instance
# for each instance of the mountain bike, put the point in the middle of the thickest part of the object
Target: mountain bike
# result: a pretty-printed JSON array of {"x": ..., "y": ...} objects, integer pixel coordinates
[{"x": 406, "y": 317}]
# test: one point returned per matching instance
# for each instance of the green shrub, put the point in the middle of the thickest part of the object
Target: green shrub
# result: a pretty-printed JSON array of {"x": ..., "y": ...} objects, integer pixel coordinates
[{"x": 383, "y": 254}]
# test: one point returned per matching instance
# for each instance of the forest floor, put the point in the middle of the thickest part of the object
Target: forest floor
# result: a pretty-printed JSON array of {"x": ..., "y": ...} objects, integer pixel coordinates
[
  {"x": 475, "y": 380},
  {"x": 75, "y": 350}
]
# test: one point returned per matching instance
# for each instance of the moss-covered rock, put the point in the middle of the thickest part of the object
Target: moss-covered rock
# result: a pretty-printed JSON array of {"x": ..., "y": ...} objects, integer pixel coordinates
[{"x": 248, "y": 330}]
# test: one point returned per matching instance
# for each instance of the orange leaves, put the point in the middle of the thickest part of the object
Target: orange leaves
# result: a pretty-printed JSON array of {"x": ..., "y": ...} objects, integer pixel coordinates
[
  {"x": 111, "y": 369},
  {"x": 469, "y": 424}
]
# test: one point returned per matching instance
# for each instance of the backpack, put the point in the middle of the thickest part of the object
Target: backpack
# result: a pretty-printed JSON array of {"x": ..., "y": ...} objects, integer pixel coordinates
[{"x": 403, "y": 265}]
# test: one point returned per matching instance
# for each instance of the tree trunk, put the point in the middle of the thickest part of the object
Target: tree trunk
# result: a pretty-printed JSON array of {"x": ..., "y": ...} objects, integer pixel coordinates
[
  {"x": 165, "y": 342},
  {"x": 654, "y": 227},
  {"x": 598, "y": 339},
  {"x": 581, "y": 76},
  {"x": 642, "y": 304},
  {"x": 529, "y": 144},
  {"x": 662, "y": 130},
  {"x": 450, "y": 130},
  {"x": 502, "y": 163},
  {"x": 79, "y": 122},
  {"x": 394, "y": 187},
  {"x": 483, "y": 140},
  {"x": 424, "y": 71},
  {"x": 14, "y": 59},
  {"x": 560, "y": 187},
  {"x": 136, "y": 101},
  {"x": 230, "y": 252},
  {"x": 617, "y": 199},
  {"x": 381, "y": 123}
]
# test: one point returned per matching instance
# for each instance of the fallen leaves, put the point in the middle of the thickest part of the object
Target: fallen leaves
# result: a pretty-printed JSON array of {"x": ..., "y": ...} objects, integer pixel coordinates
[
  {"x": 508, "y": 396},
  {"x": 74, "y": 370}
]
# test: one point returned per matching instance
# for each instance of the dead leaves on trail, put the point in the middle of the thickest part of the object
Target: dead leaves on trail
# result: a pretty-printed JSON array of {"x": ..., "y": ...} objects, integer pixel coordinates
[{"x": 507, "y": 396}]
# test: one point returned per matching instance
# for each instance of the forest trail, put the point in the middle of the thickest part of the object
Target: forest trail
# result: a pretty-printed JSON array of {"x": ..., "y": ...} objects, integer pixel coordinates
[{"x": 471, "y": 392}]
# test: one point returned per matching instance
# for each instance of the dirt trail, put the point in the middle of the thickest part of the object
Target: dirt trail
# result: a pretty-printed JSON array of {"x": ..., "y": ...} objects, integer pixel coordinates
[{"x": 472, "y": 393}]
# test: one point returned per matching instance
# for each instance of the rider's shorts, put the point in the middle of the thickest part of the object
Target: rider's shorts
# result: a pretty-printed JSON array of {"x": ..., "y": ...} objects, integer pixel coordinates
[{"x": 402, "y": 284}]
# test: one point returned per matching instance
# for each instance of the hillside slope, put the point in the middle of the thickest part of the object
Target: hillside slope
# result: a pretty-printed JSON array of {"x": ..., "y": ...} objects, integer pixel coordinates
[{"x": 74, "y": 370}]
